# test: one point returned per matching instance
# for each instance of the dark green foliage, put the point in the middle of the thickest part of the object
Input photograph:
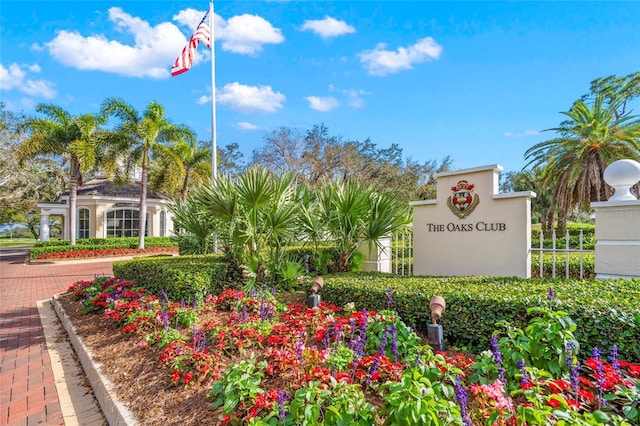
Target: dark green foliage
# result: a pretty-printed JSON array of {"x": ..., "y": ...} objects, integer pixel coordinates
[
  {"x": 606, "y": 312},
  {"x": 588, "y": 265},
  {"x": 63, "y": 246},
  {"x": 588, "y": 238},
  {"x": 322, "y": 260},
  {"x": 182, "y": 278}
]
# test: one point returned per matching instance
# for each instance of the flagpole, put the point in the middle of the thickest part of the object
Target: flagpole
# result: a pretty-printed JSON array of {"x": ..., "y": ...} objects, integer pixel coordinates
[{"x": 214, "y": 146}]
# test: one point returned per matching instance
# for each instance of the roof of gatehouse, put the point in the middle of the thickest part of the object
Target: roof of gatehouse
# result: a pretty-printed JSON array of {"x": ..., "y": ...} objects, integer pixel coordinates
[{"x": 107, "y": 188}]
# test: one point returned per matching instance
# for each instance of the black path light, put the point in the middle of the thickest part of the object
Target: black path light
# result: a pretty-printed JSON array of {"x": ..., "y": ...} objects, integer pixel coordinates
[
  {"x": 435, "y": 332},
  {"x": 314, "y": 298}
]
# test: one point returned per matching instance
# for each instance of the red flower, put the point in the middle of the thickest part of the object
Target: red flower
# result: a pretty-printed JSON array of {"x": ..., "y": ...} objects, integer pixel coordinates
[
  {"x": 187, "y": 378},
  {"x": 573, "y": 404},
  {"x": 585, "y": 394},
  {"x": 526, "y": 385},
  {"x": 553, "y": 402},
  {"x": 226, "y": 419},
  {"x": 175, "y": 376},
  {"x": 557, "y": 386}
]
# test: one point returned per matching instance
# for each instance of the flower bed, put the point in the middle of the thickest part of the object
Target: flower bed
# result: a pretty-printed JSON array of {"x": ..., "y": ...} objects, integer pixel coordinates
[
  {"x": 114, "y": 252},
  {"x": 262, "y": 363}
]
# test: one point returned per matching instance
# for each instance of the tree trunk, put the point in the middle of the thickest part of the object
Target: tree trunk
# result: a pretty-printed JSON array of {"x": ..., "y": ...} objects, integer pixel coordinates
[
  {"x": 143, "y": 200},
  {"x": 73, "y": 195},
  {"x": 185, "y": 185}
]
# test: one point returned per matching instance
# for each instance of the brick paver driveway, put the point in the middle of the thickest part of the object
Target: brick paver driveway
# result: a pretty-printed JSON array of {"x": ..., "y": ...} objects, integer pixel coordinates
[{"x": 27, "y": 390}]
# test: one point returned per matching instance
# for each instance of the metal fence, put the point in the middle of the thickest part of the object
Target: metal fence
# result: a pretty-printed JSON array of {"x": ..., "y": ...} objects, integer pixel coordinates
[
  {"x": 541, "y": 250},
  {"x": 402, "y": 255}
]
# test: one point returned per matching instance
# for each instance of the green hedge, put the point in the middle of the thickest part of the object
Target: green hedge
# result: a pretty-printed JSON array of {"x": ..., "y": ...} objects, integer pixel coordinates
[
  {"x": 588, "y": 265},
  {"x": 99, "y": 244},
  {"x": 588, "y": 240},
  {"x": 181, "y": 277},
  {"x": 606, "y": 312}
]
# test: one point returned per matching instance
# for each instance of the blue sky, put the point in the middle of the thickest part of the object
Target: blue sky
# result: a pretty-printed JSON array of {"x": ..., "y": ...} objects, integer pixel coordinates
[{"x": 477, "y": 81}]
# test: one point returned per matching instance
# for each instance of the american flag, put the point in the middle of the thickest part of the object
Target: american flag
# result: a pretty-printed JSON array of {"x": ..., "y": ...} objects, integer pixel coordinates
[{"x": 185, "y": 60}]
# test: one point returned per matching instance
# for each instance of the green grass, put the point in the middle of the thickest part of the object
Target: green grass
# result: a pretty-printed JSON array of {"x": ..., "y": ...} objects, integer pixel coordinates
[{"x": 7, "y": 242}]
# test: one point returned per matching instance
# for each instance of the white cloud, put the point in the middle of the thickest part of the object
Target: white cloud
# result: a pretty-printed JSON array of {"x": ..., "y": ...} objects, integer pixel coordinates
[
  {"x": 153, "y": 48},
  {"x": 250, "y": 98},
  {"x": 328, "y": 27},
  {"x": 381, "y": 61},
  {"x": 17, "y": 77},
  {"x": 243, "y": 125},
  {"x": 203, "y": 99},
  {"x": 247, "y": 34},
  {"x": 355, "y": 97},
  {"x": 322, "y": 103},
  {"x": 244, "y": 34},
  {"x": 526, "y": 133}
]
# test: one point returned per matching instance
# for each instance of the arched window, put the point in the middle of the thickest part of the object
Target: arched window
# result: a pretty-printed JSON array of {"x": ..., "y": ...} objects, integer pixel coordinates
[
  {"x": 163, "y": 223},
  {"x": 83, "y": 223},
  {"x": 124, "y": 223}
]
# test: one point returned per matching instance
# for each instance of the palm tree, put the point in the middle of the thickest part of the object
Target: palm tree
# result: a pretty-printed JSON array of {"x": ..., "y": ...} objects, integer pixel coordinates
[
  {"x": 74, "y": 138},
  {"x": 573, "y": 164},
  {"x": 353, "y": 214},
  {"x": 136, "y": 139},
  {"x": 194, "y": 170},
  {"x": 256, "y": 214}
]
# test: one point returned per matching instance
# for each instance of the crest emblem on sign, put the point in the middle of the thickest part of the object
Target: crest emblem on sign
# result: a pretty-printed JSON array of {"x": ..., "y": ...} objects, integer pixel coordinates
[{"x": 463, "y": 201}]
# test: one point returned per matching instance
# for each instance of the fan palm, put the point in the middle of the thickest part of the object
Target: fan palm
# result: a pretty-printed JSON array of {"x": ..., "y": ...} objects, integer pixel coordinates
[
  {"x": 136, "y": 139},
  {"x": 74, "y": 138},
  {"x": 353, "y": 214},
  {"x": 573, "y": 164},
  {"x": 256, "y": 214}
]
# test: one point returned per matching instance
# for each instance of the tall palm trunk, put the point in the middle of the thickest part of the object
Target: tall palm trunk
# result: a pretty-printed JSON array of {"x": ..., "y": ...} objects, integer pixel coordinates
[
  {"x": 185, "y": 187},
  {"x": 143, "y": 199},
  {"x": 73, "y": 195}
]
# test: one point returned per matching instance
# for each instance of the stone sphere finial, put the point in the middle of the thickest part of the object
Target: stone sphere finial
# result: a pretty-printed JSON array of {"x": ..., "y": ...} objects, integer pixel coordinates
[{"x": 622, "y": 175}]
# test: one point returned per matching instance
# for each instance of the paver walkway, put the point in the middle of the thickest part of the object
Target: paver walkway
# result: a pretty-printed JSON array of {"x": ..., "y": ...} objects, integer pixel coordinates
[{"x": 27, "y": 390}]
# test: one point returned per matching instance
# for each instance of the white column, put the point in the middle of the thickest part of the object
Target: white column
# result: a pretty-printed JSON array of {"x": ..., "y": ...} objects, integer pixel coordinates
[
  {"x": 617, "y": 253},
  {"x": 44, "y": 227},
  {"x": 377, "y": 258}
]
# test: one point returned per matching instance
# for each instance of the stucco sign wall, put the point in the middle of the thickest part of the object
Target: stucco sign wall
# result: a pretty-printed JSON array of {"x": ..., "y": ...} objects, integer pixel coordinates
[{"x": 472, "y": 229}]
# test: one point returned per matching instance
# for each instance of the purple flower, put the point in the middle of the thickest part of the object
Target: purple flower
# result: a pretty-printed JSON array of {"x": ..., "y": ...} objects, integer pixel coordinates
[
  {"x": 523, "y": 370},
  {"x": 164, "y": 294},
  {"x": 394, "y": 341},
  {"x": 461, "y": 397},
  {"x": 300, "y": 346},
  {"x": 373, "y": 369},
  {"x": 614, "y": 359},
  {"x": 599, "y": 376},
  {"x": 164, "y": 316},
  {"x": 283, "y": 396},
  {"x": 383, "y": 341},
  {"x": 244, "y": 315},
  {"x": 570, "y": 346},
  {"x": 337, "y": 331},
  {"x": 552, "y": 295},
  {"x": 497, "y": 357},
  {"x": 575, "y": 381},
  {"x": 389, "y": 293}
]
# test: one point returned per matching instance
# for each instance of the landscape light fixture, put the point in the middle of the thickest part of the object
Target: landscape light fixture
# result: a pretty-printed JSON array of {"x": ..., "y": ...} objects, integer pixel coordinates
[
  {"x": 435, "y": 332},
  {"x": 314, "y": 298}
]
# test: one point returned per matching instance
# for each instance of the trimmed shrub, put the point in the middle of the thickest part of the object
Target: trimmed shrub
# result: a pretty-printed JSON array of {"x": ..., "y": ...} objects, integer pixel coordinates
[
  {"x": 99, "y": 244},
  {"x": 606, "y": 312},
  {"x": 182, "y": 277},
  {"x": 588, "y": 265}
]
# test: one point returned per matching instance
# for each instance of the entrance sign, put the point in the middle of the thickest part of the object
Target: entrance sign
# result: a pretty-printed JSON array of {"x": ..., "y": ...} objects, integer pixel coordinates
[{"x": 472, "y": 229}]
